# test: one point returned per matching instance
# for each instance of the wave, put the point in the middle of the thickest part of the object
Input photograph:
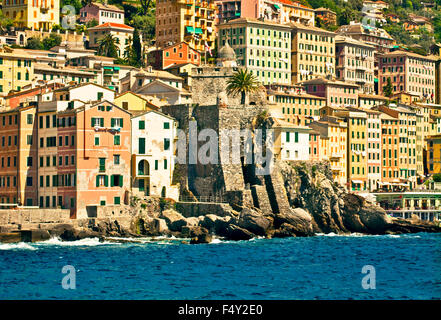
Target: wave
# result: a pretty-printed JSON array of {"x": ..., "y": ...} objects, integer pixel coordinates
[
  {"x": 16, "y": 246},
  {"x": 88, "y": 242}
]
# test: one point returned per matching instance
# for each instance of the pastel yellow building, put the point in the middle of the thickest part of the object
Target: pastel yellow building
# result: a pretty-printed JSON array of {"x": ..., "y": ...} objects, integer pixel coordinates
[
  {"x": 16, "y": 71},
  {"x": 313, "y": 53},
  {"x": 136, "y": 102},
  {"x": 333, "y": 144},
  {"x": 191, "y": 21},
  {"x": 36, "y": 14},
  {"x": 434, "y": 154}
]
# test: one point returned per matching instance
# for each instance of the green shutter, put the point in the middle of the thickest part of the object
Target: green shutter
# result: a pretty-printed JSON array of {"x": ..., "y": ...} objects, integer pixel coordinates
[
  {"x": 91, "y": 122},
  {"x": 106, "y": 181},
  {"x": 97, "y": 181},
  {"x": 120, "y": 180},
  {"x": 112, "y": 122},
  {"x": 141, "y": 146},
  {"x": 101, "y": 122},
  {"x": 122, "y": 125},
  {"x": 112, "y": 181}
]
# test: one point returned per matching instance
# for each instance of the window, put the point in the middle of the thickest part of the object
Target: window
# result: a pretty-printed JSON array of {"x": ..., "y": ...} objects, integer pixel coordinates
[
  {"x": 117, "y": 140},
  {"x": 29, "y": 161},
  {"x": 29, "y": 181},
  {"x": 117, "y": 200},
  {"x": 116, "y": 122},
  {"x": 166, "y": 125},
  {"x": 116, "y": 180},
  {"x": 156, "y": 164},
  {"x": 166, "y": 144},
  {"x": 29, "y": 140},
  {"x": 141, "y": 124},
  {"x": 116, "y": 159},
  {"x": 100, "y": 95},
  {"x": 102, "y": 181},
  {"x": 102, "y": 164},
  {"x": 97, "y": 140},
  {"x": 30, "y": 119}
]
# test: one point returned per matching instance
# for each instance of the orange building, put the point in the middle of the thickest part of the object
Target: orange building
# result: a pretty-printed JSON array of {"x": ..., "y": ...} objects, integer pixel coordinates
[
  {"x": 390, "y": 170},
  {"x": 18, "y": 158},
  {"x": 95, "y": 161},
  {"x": 177, "y": 54},
  {"x": 314, "y": 145}
]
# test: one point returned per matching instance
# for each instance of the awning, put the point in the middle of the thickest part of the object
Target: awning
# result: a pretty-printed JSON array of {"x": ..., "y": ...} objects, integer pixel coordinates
[
  {"x": 357, "y": 181},
  {"x": 237, "y": 14},
  {"x": 277, "y": 6},
  {"x": 189, "y": 29},
  {"x": 198, "y": 31}
]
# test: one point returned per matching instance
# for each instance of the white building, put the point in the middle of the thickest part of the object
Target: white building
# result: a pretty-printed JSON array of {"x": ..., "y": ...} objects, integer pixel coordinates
[
  {"x": 291, "y": 142},
  {"x": 159, "y": 89},
  {"x": 153, "y": 155},
  {"x": 373, "y": 149},
  {"x": 75, "y": 95}
]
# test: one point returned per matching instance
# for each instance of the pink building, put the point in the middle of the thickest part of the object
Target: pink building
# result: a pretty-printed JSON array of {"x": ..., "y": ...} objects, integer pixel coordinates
[
  {"x": 409, "y": 72},
  {"x": 102, "y": 13},
  {"x": 91, "y": 166},
  {"x": 337, "y": 93},
  {"x": 282, "y": 11}
]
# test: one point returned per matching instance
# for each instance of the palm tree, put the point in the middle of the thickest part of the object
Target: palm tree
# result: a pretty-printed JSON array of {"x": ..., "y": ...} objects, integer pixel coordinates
[
  {"x": 242, "y": 82},
  {"x": 107, "y": 46}
]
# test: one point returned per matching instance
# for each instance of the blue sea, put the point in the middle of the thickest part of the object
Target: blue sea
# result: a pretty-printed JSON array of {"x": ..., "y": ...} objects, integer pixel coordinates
[{"x": 321, "y": 267}]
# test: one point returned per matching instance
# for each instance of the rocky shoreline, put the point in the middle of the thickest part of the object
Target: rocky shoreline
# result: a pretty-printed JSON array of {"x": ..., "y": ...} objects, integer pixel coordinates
[{"x": 317, "y": 205}]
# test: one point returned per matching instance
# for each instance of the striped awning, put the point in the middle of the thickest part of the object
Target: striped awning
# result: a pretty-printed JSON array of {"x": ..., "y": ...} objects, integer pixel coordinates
[{"x": 189, "y": 29}]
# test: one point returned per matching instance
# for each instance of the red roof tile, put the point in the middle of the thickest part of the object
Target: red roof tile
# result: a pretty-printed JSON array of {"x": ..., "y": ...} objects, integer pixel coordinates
[{"x": 113, "y": 25}]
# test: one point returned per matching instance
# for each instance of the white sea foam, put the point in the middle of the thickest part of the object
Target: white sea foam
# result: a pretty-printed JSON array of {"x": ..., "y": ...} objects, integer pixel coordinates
[
  {"x": 216, "y": 240},
  {"x": 91, "y": 242},
  {"x": 16, "y": 246}
]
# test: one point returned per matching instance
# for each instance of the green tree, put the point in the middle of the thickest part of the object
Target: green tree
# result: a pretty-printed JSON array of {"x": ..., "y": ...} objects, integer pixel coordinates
[
  {"x": 91, "y": 23},
  {"x": 388, "y": 88},
  {"x": 135, "y": 58},
  {"x": 107, "y": 46},
  {"x": 146, "y": 25},
  {"x": 52, "y": 41},
  {"x": 242, "y": 82},
  {"x": 437, "y": 177},
  {"x": 34, "y": 43}
]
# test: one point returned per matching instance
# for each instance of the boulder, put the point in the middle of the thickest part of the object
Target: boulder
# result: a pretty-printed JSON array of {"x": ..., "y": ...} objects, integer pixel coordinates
[
  {"x": 254, "y": 221},
  {"x": 285, "y": 230},
  {"x": 177, "y": 224},
  {"x": 299, "y": 219},
  {"x": 170, "y": 216},
  {"x": 233, "y": 232},
  {"x": 192, "y": 221},
  {"x": 203, "y": 238}
]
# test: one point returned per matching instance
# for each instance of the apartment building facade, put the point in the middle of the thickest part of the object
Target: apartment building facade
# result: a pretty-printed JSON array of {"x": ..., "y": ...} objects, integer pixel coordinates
[
  {"x": 313, "y": 53},
  {"x": 16, "y": 71},
  {"x": 191, "y": 21},
  {"x": 355, "y": 62},
  {"x": 260, "y": 46},
  {"x": 32, "y": 14},
  {"x": 409, "y": 72}
]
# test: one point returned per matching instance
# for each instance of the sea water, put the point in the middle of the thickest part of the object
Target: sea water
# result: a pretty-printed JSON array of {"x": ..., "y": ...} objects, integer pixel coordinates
[{"x": 321, "y": 267}]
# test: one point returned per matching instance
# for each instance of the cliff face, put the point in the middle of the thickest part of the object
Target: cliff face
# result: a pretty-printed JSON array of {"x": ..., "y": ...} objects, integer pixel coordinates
[{"x": 333, "y": 209}]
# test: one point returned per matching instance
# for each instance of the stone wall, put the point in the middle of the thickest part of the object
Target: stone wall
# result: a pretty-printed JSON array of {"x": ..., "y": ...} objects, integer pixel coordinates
[
  {"x": 33, "y": 216},
  {"x": 196, "y": 209}
]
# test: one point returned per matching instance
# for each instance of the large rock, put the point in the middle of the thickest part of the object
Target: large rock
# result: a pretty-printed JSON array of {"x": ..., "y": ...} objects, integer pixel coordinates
[
  {"x": 255, "y": 221},
  {"x": 197, "y": 234},
  {"x": 299, "y": 220},
  {"x": 285, "y": 230},
  {"x": 171, "y": 216},
  {"x": 233, "y": 232}
]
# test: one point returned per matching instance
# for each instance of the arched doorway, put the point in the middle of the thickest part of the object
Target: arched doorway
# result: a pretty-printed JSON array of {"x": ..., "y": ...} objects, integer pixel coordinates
[{"x": 143, "y": 168}]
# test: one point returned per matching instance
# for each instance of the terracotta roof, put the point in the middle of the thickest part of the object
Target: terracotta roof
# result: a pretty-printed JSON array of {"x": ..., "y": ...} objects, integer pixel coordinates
[
  {"x": 112, "y": 25},
  {"x": 106, "y": 6}
]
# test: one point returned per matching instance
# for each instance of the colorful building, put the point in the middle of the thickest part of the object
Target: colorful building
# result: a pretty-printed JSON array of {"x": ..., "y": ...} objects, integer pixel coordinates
[
  {"x": 313, "y": 53},
  {"x": 355, "y": 62},
  {"x": 291, "y": 142},
  {"x": 377, "y": 37},
  {"x": 102, "y": 13},
  {"x": 135, "y": 102},
  {"x": 18, "y": 158},
  {"x": 293, "y": 104},
  {"x": 408, "y": 72},
  {"x": 326, "y": 15},
  {"x": 121, "y": 33},
  {"x": 153, "y": 147},
  {"x": 176, "y": 54},
  {"x": 191, "y": 21},
  {"x": 16, "y": 71},
  {"x": 93, "y": 159},
  {"x": 390, "y": 174},
  {"x": 262, "y": 47},
  {"x": 337, "y": 93},
  {"x": 333, "y": 145},
  {"x": 32, "y": 14},
  {"x": 434, "y": 154},
  {"x": 280, "y": 11}
]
